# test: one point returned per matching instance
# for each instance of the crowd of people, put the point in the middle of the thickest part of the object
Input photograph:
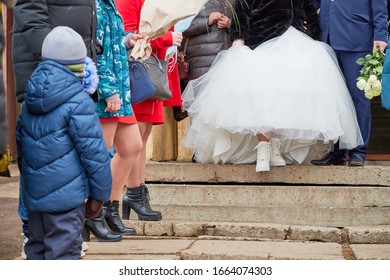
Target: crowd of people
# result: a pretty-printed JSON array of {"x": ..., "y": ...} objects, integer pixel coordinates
[{"x": 268, "y": 79}]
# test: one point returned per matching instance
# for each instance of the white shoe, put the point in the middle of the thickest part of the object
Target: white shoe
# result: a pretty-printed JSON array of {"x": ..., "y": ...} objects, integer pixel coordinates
[
  {"x": 24, "y": 241},
  {"x": 276, "y": 158},
  {"x": 263, "y": 157},
  {"x": 84, "y": 246}
]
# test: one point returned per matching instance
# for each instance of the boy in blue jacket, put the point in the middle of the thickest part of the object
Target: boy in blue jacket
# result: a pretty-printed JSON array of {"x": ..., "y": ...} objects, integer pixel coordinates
[{"x": 65, "y": 161}]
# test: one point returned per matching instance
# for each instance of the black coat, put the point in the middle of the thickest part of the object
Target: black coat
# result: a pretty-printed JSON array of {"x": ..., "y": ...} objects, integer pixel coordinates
[
  {"x": 34, "y": 19},
  {"x": 205, "y": 41},
  {"x": 262, "y": 20}
]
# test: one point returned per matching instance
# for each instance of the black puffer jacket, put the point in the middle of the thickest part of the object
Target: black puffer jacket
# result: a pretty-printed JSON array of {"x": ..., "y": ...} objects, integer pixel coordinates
[
  {"x": 34, "y": 19},
  {"x": 205, "y": 41},
  {"x": 262, "y": 20}
]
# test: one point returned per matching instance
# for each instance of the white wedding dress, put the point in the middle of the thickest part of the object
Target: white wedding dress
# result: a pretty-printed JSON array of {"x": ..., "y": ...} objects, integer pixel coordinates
[{"x": 289, "y": 87}]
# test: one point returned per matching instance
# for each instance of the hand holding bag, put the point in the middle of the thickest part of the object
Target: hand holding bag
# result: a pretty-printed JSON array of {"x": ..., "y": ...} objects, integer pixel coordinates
[
  {"x": 141, "y": 86},
  {"x": 157, "y": 69}
]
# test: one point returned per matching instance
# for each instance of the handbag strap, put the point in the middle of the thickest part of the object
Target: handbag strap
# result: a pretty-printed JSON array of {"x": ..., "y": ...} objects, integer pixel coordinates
[
  {"x": 185, "y": 46},
  {"x": 158, "y": 61}
]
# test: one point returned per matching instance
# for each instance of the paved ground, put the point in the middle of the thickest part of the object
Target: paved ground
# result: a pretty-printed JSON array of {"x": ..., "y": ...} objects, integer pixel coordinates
[
  {"x": 10, "y": 224},
  {"x": 185, "y": 248}
]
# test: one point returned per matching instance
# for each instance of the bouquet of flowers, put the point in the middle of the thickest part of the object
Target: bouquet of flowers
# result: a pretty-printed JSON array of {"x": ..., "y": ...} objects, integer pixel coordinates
[
  {"x": 370, "y": 79},
  {"x": 157, "y": 16}
]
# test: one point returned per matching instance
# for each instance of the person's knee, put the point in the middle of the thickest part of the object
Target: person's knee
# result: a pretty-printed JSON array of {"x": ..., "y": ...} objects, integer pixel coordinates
[
  {"x": 138, "y": 145},
  {"x": 131, "y": 149}
]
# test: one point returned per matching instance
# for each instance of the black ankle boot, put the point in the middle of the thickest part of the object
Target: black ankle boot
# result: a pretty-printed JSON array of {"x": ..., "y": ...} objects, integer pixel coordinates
[
  {"x": 100, "y": 229},
  {"x": 111, "y": 215},
  {"x": 178, "y": 113},
  {"x": 138, "y": 200}
]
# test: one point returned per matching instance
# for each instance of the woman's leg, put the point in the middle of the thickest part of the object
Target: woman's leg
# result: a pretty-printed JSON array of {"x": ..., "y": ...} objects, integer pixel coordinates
[
  {"x": 128, "y": 144},
  {"x": 142, "y": 162},
  {"x": 136, "y": 196},
  {"x": 137, "y": 175}
]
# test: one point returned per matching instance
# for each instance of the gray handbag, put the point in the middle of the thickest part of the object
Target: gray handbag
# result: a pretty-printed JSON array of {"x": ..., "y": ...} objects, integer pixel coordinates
[{"x": 157, "y": 70}]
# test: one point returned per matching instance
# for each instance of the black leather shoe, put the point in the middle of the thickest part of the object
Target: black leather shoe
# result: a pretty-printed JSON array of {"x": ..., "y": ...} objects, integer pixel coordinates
[
  {"x": 178, "y": 113},
  {"x": 356, "y": 160},
  {"x": 330, "y": 159}
]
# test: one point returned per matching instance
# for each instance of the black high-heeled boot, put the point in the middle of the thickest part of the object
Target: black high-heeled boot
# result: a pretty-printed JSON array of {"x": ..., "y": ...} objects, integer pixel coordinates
[
  {"x": 179, "y": 113},
  {"x": 100, "y": 229},
  {"x": 138, "y": 200},
  {"x": 111, "y": 215}
]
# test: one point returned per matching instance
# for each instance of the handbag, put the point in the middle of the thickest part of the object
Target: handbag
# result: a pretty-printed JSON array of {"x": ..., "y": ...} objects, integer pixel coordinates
[
  {"x": 182, "y": 64},
  {"x": 141, "y": 86},
  {"x": 157, "y": 70}
]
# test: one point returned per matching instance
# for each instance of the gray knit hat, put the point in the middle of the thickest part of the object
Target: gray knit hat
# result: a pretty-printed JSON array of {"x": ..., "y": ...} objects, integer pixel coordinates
[{"x": 64, "y": 46}]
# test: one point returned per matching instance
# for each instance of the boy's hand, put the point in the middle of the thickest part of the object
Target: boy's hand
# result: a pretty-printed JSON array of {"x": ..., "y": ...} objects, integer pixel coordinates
[{"x": 93, "y": 208}]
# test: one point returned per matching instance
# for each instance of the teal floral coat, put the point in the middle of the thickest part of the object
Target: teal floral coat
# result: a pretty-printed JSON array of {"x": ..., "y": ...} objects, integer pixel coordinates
[{"x": 112, "y": 65}]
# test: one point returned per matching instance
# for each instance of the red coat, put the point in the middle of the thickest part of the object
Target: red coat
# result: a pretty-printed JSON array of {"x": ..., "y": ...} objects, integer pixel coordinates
[{"x": 151, "y": 111}]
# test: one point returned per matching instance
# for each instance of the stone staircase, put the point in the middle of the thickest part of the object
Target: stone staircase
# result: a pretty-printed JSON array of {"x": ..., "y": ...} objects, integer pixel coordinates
[
  {"x": 333, "y": 204},
  {"x": 332, "y": 196}
]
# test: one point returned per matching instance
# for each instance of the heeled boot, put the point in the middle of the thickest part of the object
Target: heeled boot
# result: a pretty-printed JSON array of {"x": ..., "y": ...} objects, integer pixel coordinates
[
  {"x": 100, "y": 230},
  {"x": 179, "y": 113},
  {"x": 138, "y": 200},
  {"x": 111, "y": 215}
]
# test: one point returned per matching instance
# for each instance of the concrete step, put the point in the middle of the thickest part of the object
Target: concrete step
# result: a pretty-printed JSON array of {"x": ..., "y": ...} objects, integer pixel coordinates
[
  {"x": 336, "y": 206},
  {"x": 293, "y": 195},
  {"x": 372, "y": 174},
  {"x": 208, "y": 248},
  {"x": 262, "y": 231}
]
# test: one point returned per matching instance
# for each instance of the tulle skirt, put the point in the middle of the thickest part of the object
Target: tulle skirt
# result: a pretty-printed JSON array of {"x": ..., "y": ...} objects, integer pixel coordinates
[{"x": 290, "y": 87}]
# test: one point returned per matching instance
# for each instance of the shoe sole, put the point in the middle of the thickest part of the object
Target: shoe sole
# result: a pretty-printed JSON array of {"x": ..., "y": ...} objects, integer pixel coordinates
[
  {"x": 356, "y": 164},
  {"x": 277, "y": 164},
  {"x": 150, "y": 218},
  {"x": 263, "y": 169},
  {"x": 333, "y": 163},
  {"x": 109, "y": 240}
]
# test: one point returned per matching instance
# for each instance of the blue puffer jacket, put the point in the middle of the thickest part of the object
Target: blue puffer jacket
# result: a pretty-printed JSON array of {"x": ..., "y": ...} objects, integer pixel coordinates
[{"x": 65, "y": 158}]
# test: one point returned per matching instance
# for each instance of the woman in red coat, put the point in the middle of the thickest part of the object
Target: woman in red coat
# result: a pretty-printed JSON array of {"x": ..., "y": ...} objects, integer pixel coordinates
[{"x": 148, "y": 113}]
